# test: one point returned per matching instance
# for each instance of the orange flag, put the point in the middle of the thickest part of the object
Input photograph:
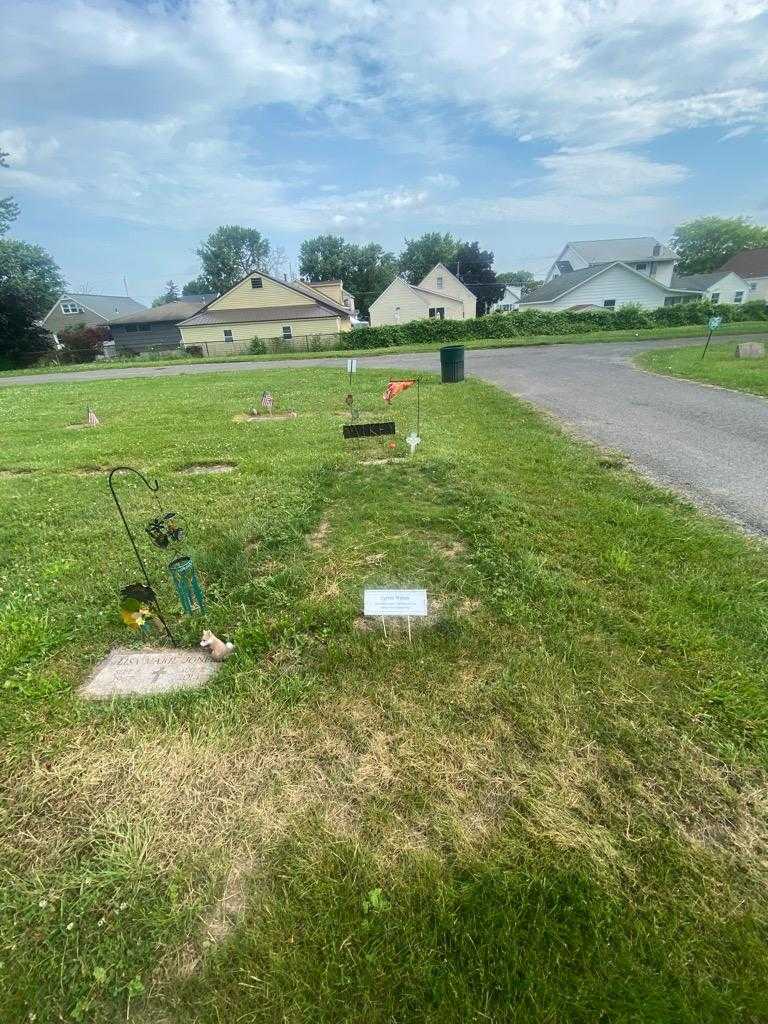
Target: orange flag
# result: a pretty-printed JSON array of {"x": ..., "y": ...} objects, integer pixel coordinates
[{"x": 395, "y": 387}]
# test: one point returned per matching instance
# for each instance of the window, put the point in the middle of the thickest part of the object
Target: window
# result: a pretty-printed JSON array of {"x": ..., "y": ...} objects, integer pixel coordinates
[
  {"x": 437, "y": 311},
  {"x": 673, "y": 300},
  {"x": 439, "y": 282},
  {"x": 641, "y": 266},
  {"x": 715, "y": 297},
  {"x": 228, "y": 336},
  {"x": 397, "y": 314},
  {"x": 287, "y": 332},
  {"x": 610, "y": 303},
  {"x": 145, "y": 327},
  {"x": 71, "y": 307},
  {"x": 564, "y": 266},
  {"x": 256, "y": 282},
  {"x": 737, "y": 297},
  {"x": 131, "y": 328},
  {"x": 752, "y": 285}
]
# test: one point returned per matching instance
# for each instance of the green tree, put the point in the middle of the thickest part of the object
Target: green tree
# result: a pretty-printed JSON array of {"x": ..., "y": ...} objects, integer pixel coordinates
[
  {"x": 30, "y": 270},
  {"x": 230, "y": 253},
  {"x": 366, "y": 270},
  {"x": 474, "y": 268},
  {"x": 171, "y": 294},
  {"x": 325, "y": 258},
  {"x": 22, "y": 341},
  {"x": 199, "y": 286},
  {"x": 9, "y": 209},
  {"x": 421, "y": 254},
  {"x": 522, "y": 279},
  {"x": 372, "y": 269},
  {"x": 706, "y": 243}
]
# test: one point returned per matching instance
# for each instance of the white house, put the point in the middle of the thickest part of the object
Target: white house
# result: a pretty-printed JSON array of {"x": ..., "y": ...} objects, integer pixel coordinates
[
  {"x": 719, "y": 286},
  {"x": 440, "y": 294},
  {"x": 645, "y": 255},
  {"x": 752, "y": 266},
  {"x": 510, "y": 300},
  {"x": 612, "y": 272}
]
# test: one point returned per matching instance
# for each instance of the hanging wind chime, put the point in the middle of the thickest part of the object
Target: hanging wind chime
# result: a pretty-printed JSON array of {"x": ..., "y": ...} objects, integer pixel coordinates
[{"x": 139, "y": 605}]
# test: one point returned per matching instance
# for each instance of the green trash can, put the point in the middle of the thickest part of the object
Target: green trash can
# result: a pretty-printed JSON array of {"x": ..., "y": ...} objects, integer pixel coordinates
[{"x": 452, "y": 363}]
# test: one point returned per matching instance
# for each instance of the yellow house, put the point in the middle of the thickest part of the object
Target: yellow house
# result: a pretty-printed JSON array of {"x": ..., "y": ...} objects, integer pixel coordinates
[{"x": 265, "y": 308}]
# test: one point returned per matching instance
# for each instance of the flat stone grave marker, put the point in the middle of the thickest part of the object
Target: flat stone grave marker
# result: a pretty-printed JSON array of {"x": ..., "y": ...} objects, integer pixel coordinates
[
  {"x": 750, "y": 350},
  {"x": 143, "y": 673}
]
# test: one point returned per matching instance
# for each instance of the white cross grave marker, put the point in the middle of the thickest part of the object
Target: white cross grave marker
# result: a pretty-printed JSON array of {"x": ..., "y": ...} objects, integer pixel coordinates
[{"x": 412, "y": 440}]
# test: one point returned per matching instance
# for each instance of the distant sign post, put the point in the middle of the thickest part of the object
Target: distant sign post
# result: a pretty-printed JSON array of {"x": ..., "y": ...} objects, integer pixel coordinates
[
  {"x": 713, "y": 323},
  {"x": 385, "y": 604}
]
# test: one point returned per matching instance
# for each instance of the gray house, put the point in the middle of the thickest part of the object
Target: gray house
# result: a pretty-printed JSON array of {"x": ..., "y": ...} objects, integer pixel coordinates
[
  {"x": 75, "y": 308},
  {"x": 156, "y": 329}
]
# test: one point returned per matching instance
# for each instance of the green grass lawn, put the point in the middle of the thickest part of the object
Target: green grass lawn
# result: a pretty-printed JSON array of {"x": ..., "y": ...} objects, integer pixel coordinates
[
  {"x": 719, "y": 366},
  {"x": 694, "y": 331},
  {"x": 550, "y": 807}
]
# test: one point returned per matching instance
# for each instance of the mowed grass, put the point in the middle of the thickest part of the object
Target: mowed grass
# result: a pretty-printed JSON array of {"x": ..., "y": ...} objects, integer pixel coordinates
[
  {"x": 550, "y": 807},
  {"x": 756, "y": 327},
  {"x": 719, "y": 366}
]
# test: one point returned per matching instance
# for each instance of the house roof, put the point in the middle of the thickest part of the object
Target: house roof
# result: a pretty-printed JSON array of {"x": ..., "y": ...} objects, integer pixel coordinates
[
  {"x": 335, "y": 308},
  {"x": 698, "y": 282},
  {"x": 169, "y": 312},
  {"x": 564, "y": 283},
  {"x": 105, "y": 306},
  {"x": 260, "y": 314},
  {"x": 748, "y": 263},
  {"x": 609, "y": 250}
]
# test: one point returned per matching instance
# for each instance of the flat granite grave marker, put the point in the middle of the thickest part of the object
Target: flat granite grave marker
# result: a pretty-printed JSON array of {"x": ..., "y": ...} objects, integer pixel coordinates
[
  {"x": 368, "y": 429},
  {"x": 750, "y": 350},
  {"x": 131, "y": 673}
]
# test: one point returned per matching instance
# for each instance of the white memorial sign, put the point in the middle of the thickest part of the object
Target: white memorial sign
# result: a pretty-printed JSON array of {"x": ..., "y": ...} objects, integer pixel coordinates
[
  {"x": 351, "y": 366},
  {"x": 405, "y": 603}
]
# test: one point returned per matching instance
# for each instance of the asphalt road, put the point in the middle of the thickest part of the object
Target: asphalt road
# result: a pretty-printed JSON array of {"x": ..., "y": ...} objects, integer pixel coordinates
[{"x": 708, "y": 444}]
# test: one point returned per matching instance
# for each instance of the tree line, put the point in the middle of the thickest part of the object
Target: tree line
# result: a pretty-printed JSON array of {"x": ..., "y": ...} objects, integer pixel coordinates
[
  {"x": 232, "y": 251},
  {"x": 30, "y": 280}
]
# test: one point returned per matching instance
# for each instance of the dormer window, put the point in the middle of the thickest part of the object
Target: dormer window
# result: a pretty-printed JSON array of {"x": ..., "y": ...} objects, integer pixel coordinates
[
  {"x": 440, "y": 281},
  {"x": 256, "y": 282},
  {"x": 71, "y": 307}
]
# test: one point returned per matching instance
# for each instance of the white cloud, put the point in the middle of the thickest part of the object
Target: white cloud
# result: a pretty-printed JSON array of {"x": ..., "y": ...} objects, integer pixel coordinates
[
  {"x": 608, "y": 173},
  {"x": 138, "y": 113}
]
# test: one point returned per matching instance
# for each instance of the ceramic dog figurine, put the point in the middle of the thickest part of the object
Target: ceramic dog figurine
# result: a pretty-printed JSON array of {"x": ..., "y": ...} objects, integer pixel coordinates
[{"x": 218, "y": 649}]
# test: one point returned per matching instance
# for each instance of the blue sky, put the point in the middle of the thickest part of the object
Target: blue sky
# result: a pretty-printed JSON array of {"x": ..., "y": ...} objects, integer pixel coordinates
[{"x": 136, "y": 129}]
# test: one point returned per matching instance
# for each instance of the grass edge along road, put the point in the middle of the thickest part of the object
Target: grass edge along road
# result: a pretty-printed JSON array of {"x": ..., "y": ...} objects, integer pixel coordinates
[
  {"x": 719, "y": 366},
  {"x": 647, "y": 334},
  {"x": 550, "y": 808}
]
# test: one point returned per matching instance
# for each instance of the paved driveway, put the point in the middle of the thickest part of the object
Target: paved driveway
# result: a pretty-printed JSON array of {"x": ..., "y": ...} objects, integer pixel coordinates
[{"x": 708, "y": 444}]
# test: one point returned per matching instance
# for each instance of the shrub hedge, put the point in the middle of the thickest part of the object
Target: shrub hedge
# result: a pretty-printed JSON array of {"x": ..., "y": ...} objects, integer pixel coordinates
[{"x": 523, "y": 323}]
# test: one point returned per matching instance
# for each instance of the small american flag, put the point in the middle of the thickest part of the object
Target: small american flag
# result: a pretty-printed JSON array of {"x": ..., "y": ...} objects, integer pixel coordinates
[{"x": 267, "y": 401}]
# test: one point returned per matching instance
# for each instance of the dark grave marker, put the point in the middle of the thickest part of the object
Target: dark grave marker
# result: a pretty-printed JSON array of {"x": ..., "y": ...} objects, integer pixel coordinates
[{"x": 368, "y": 429}]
